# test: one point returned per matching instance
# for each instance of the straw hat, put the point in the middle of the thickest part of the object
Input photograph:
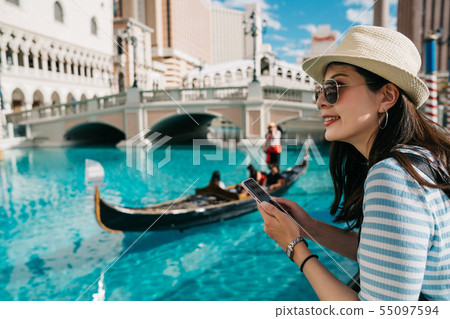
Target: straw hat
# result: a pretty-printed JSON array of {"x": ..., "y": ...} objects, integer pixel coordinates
[{"x": 382, "y": 51}]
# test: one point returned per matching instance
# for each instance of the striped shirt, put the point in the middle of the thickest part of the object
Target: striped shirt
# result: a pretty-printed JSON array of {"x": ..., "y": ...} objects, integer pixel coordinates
[{"x": 405, "y": 235}]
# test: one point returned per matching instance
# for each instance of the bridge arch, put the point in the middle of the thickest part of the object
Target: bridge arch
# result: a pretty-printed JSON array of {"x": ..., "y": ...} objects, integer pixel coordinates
[
  {"x": 94, "y": 133},
  {"x": 300, "y": 128},
  {"x": 183, "y": 128}
]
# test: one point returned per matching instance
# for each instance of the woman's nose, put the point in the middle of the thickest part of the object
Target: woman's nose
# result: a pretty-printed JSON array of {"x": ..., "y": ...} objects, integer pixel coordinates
[{"x": 322, "y": 102}]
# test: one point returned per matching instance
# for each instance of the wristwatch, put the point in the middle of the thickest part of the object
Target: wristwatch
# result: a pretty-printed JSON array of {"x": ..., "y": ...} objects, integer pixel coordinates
[{"x": 290, "y": 247}]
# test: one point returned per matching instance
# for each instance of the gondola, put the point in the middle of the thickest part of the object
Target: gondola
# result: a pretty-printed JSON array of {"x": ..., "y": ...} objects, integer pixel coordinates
[{"x": 208, "y": 205}]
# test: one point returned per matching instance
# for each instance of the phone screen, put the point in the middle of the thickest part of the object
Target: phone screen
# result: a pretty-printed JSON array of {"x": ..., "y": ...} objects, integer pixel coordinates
[{"x": 258, "y": 193}]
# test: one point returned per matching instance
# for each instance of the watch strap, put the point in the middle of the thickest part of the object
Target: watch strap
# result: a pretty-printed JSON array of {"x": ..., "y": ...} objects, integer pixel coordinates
[{"x": 290, "y": 247}]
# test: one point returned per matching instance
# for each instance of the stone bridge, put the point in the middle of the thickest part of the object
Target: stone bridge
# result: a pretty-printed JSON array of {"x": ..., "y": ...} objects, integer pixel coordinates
[{"x": 183, "y": 114}]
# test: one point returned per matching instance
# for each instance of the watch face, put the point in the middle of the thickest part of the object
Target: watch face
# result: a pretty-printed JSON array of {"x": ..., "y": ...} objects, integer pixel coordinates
[{"x": 290, "y": 252}]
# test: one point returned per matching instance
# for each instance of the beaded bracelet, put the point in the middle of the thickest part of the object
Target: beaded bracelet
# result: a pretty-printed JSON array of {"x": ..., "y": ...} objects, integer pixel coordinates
[{"x": 306, "y": 259}]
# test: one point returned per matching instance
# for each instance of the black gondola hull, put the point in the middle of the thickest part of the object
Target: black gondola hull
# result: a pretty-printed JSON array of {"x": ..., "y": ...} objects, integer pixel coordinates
[{"x": 117, "y": 218}]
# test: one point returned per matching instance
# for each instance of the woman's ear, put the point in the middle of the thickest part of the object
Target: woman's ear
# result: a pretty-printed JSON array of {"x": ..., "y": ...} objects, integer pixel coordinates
[{"x": 389, "y": 96}]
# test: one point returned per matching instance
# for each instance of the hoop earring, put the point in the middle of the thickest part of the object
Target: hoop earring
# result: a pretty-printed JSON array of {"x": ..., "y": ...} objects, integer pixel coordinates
[{"x": 385, "y": 122}]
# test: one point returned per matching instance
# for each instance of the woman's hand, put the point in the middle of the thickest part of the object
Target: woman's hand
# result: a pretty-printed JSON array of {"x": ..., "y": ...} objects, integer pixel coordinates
[
  {"x": 278, "y": 225},
  {"x": 298, "y": 214}
]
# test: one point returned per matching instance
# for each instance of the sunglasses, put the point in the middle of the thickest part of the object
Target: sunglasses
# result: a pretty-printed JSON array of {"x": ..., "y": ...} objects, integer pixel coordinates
[{"x": 330, "y": 89}]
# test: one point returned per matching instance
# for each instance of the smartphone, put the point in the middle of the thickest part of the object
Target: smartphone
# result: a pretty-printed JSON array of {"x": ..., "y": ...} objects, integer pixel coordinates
[{"x": 259, "y": 194}]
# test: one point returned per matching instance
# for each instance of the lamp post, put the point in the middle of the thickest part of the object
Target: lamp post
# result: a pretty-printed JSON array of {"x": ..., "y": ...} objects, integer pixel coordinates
[
  {"x": 133, "y": 41},
  {"x": 253, "y": 31},
  {"x": 134, "y": 44}
]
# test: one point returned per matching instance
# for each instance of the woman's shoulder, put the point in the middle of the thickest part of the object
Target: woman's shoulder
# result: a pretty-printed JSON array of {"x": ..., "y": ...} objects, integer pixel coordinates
[
  {"x": 386, "y": 165},
  {"x": 391, "y": 171},
  {"x": 423, "y": 152}
]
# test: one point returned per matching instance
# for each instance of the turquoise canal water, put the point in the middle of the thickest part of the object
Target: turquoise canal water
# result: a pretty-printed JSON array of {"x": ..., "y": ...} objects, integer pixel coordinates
[{"x": 53, "y": 249}]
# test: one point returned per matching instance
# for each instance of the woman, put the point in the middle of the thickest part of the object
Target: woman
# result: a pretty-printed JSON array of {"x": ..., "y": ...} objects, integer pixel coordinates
[{"x": 398, "y": 218}]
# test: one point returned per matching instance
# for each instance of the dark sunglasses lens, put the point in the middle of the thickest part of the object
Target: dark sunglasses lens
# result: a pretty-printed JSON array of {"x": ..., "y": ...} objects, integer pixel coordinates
[{"x": 330, "y": 91}]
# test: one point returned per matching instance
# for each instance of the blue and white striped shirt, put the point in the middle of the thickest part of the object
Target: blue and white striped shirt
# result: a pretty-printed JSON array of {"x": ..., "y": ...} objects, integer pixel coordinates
[{"x": 405, "y": 235}]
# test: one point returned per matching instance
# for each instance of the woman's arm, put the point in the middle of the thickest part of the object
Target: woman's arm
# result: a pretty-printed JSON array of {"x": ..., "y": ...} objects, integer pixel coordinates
[
  {"x": 283, "y": 230},
  {"x": 334, "y": 238}
]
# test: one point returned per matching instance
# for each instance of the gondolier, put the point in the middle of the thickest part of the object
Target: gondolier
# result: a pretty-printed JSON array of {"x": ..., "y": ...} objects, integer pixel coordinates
[{"x": 272, "y": 147}]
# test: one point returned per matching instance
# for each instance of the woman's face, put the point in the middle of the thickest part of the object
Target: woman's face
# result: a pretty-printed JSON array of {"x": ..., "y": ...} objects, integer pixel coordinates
[{"x": 354, "y": 118}]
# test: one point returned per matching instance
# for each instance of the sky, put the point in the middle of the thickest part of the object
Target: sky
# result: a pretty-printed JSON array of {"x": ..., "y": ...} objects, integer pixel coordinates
[{"x": 290, "y": 23}]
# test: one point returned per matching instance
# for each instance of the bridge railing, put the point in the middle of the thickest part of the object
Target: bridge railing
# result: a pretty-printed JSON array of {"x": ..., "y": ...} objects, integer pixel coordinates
[
  {"x": 186, "y": 95},
  {"x": 177, "y": 95},
  {"x": 71, "y": 108},
  {"x": 282, "y": 94},
  {"x": 112, "y": 100}
]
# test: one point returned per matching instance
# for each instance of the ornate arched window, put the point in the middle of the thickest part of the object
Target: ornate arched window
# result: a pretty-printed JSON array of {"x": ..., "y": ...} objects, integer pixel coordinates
[
  {"x": 40, "y": 61},
  {"x": 217, "y": 79},
  {"x": 119, "y": 46},
  {"x": 30, "y": 59},
  {"x": 206, "y": 81},
  {"x": 59, "y": 14},
  {"x": 38, "y": 99},
  {"x": 93, "y": 26},
  {"x": 280, "y": 72},
  {"x": 18, "y": 100},
  {"x": 9, "y": 55},
  {"x": 20, "y": 57},
  {"x": 307, "y": 79},
  {"x": 117, "y": 8},
  {"x": 228, "y": 77},
  {"x": 55, "y": 98},
  {"x": 239, "y": 75},
  {"x": 249, "y": 72}
]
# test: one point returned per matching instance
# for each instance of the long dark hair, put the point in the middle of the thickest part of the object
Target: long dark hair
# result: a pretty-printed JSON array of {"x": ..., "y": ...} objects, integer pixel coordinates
[{"x": 349, "y": 167}]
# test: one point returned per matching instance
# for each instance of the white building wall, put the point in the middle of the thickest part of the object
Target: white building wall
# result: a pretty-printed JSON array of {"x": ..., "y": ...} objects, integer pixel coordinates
[
  {"x": 37, "y": 17},
  {"x": 31, "y": 27},
  {"x": 227, "y": 36}
]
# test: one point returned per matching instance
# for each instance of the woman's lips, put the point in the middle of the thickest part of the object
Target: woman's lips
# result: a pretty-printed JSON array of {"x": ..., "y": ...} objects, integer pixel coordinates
[{"x": 328, "y": 120}]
